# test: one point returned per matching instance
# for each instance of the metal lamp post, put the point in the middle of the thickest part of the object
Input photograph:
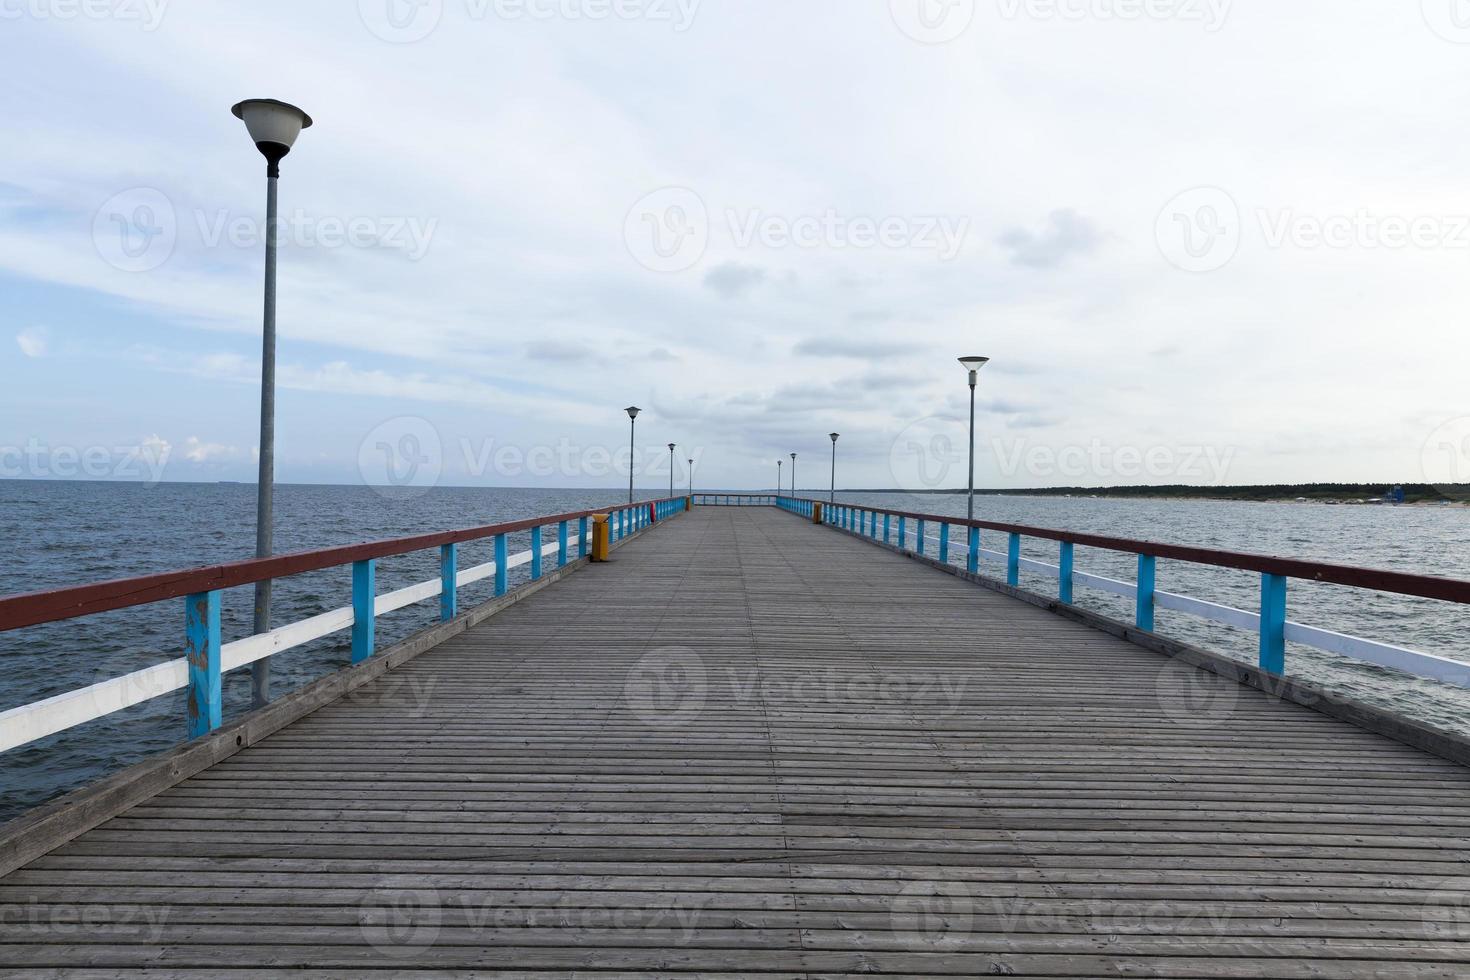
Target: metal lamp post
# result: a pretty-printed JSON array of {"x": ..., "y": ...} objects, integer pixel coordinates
[
  {"x": 833, "y": 498},
  {"x": 632, "y": 411},
  {"x": 691, "y": 478},
  {"x": 671, "y": 469},
  {"x": 273, "y": 126},
  {"x": 793, "y": 474},
  {"x": 973, "y": 365},
  {"x": 778, "y": 478}
]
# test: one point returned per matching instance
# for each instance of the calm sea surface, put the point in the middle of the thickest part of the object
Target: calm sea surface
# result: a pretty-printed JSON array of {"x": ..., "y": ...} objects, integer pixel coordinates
[{"x": 73, "y": 533}]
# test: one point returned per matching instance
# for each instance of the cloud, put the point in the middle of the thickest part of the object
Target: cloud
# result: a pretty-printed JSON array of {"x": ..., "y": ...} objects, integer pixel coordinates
[
  {"x": 1066, "y": 234},
  {"x": 557, "y": 351},
  {"x": 32, "y": 342},
  {"x": 198, "y": 451},
  {"x": 662, "y": 355},
  {"x": 848, "y": 347},
  {"x": 733, "y": 280}
]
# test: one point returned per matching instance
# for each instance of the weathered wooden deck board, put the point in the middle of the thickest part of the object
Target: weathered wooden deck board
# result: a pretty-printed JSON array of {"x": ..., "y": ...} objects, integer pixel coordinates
[{"x": 753, "y": 746}]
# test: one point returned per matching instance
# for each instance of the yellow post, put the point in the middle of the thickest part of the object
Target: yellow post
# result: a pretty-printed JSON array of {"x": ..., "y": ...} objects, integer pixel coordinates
[
  {"x": 817, "y": 512},
  {"x": 601, "y": 538}
]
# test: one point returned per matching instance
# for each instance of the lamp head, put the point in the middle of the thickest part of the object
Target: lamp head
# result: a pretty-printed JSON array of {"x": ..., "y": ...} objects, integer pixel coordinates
[
  {"x": 834, "y": 436},
  {"x": 973, "y": 365},
  {"x": 273, "y": 125},
  {"x": 633, "y": 411},
  {"x": 793, "y": 457},
  {"x": 671, "y": 448}
]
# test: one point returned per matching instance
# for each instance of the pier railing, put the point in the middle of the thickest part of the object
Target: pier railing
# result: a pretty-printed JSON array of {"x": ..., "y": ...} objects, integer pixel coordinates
[
  {"x": 207, "y": 658},
  {"x": 952, "y": 540},
  {"x": 735, "y": 499}
]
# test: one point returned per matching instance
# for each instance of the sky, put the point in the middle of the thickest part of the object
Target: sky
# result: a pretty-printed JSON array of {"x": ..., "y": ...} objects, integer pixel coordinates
[{"x": 1202, "y": 241}]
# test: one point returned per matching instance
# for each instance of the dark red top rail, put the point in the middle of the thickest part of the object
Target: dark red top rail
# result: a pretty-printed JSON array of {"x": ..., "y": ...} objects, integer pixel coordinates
[
  {"x": 1377, "y": 579},
  {"x": 32, "y": 608}
]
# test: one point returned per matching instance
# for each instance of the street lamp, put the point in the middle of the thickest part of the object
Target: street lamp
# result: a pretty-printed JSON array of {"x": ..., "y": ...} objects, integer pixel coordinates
[
  {"x": 778, "y": 478},
  {"x": 973, "y": 365},
  {"x": 632, "y": 411},
  {"x": 671, "y": 469},
  {"x": 793, "y": 474},
  {"x": 833, "y": 498},
  {"x": 274, "y": 127},
  {"x": 691, "y": 478}
]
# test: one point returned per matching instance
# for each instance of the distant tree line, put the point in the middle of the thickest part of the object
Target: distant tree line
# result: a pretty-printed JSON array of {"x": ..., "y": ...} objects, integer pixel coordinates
[{"x": 1413, "y": 492}]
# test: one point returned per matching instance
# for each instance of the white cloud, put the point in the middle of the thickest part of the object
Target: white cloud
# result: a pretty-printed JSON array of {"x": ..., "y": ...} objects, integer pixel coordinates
[
  {"x": 197, "y": 450},
  {"x": 32, "y": 342}
]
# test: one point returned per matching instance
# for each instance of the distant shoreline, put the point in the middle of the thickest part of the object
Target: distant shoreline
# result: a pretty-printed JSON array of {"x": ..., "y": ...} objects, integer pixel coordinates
[{"x": 1345, "y": 494}]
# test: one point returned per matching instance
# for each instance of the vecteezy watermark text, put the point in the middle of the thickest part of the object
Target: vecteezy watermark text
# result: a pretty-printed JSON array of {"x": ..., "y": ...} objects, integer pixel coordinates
[
  {"x": 37, "y": 460},
  {"x": 147, "y": 14},
  {"x": 1204, "y": 228},
  {"x": 670, "y": 230},
  {"x": 930, "y": 454},
  {"x": 1211, "y": 14},
  {"x": 407, "y": 21},
  {"x": 404, "y": 457},
  {"x": 139, "y": 229}
]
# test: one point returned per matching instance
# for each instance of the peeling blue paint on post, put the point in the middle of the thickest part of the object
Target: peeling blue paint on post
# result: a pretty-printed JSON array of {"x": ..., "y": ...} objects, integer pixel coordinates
[
  {"x": 972, "y": 560},
  {"x": 1144, "y": 619},
  {"x": 903, "y": 532},
  {"x": 920, "y": 537},
  {"x": 364, "y": 619},
  {"x": 1065, "y": 575},
  {"x": 561, "y": 544},
  {"x": 502, "y": 555},
  {"x": 448, "y": 582},
  {"x": 535, "y": 553},
  {"x": 202, "y": 650},
  {"x": 887, "y": 529},
  {"x": 581, "y": 537},
  {"x": 1273, "y": 624},
  {"x": 1013, "y": 560},
  {"x": 944, "y": 543}
]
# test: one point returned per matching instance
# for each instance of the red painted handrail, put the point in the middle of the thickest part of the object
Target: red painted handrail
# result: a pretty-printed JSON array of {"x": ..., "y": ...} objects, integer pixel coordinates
[
  {"x": 1377, "y": 579},
  {"x": 33, "y": 608}
]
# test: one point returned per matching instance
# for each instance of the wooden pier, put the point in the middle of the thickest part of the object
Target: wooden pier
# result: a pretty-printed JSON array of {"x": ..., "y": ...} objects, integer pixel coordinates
[{"x": 750, "y": 745}]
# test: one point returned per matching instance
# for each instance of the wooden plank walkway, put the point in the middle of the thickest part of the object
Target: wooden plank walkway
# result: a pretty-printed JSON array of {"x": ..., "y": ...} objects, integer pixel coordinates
[{"x": 752, "y": 746}]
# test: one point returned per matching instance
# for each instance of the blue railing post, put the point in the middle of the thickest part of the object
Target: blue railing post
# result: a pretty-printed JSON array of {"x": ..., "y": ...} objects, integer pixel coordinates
[
  {"x": 448, "y": 582},
  {"x": 581, "y": 537},
  {"x": 920, "y": 537},
  {"x": 202, "y": 649},
  {"x": 887, "y": 528},
  {"x": 903, "y": 532},
  {"x": 1065, "y": 574},
  {"x": 535, "y": 553},
  {"x": 1144, "y": 620},
  {"x": 1013, "y": 560},
  {"x": 502, "y": 555},
  {"x": 364, "y": 617},
  {"x": 972, "y": 560},
  {"x": 561, "y": 544},
  {"x": 944, "y": 542},
  {"x": 1273, "y": 623}
]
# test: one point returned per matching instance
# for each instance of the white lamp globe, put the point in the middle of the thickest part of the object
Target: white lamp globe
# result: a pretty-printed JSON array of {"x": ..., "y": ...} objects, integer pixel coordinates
[{"x": 273, "y": 125}]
